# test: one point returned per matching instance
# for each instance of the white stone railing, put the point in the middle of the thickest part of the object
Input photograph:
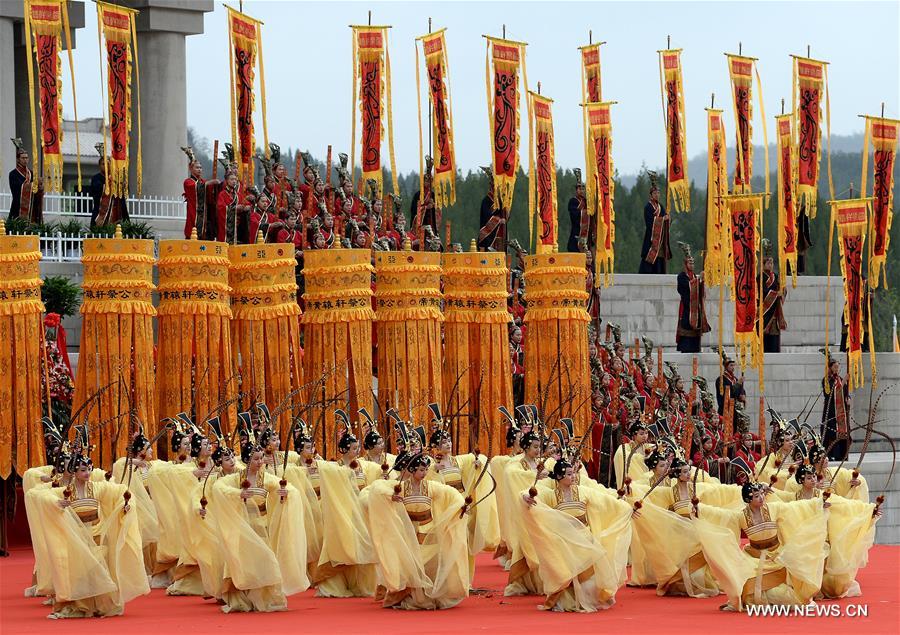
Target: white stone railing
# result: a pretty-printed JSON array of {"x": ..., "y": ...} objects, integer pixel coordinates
[
  {"x": 61, "y": 247},
  {"x": 79, "y": 205}
]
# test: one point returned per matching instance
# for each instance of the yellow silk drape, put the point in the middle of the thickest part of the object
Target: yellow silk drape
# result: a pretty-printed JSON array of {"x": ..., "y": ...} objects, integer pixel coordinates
[
  {"x": 265, "y": 329},
  {"x": 21, "y": 336},
  {"x": 116, "y": 341},
  {"x": 557, "y": 371},
  {"x": 476, "y": 345},
  {"x": 408, "y": 330},
  {"x": 194, "y": 319},
  {"x": 338, "y": 335}
]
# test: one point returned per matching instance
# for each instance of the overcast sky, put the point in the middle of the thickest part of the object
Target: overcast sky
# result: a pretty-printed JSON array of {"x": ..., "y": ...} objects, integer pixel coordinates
[{"x": 308, "y": 67}]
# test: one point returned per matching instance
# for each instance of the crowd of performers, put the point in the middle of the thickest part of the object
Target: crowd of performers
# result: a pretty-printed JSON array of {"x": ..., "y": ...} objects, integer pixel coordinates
[{"x": 250, "y": 519}]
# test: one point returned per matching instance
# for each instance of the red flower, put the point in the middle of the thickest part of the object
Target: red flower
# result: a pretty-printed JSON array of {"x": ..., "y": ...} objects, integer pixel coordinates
[{"x": 51, "y": 320}]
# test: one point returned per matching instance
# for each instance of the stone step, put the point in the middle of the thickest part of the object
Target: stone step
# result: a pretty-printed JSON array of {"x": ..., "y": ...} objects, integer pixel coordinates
[{"x": 876, "y": 467}]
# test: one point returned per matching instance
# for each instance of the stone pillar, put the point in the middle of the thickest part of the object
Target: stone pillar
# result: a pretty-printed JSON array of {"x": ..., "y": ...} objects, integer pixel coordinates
[
  {"x": 15, "y": 118},
  {"x": 162, "y": 26}
]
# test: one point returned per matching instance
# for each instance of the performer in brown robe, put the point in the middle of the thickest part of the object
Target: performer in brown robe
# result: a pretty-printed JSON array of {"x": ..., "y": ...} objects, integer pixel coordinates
[
  {"x": 692, "y": 322},
  {"x": 655, "y": 251},
  {"x": 492, "y": 235},
  {"x": 106, "y": 209},
  {"x": 199, "y": 195},
  {"x": 773, "y": 303},
  {"x": 25, "y": 203}
]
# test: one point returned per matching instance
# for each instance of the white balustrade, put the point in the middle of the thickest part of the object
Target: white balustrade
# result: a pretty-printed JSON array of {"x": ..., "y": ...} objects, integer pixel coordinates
[{"x": 73, "y": 204}]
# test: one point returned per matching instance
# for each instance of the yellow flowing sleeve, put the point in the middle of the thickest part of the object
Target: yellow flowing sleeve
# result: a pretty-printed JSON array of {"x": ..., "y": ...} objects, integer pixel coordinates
[
  {"x": 73, "y": 565},
  {"x": 34, "y": 475},
  {"x": 122, "y": 536},
  {"x": 444, "y": 551},
  {"x": 719, "y": 495},
  {"x": 398, "y": 563},
  {"x": 612, "y": 526},
  {"x": 719, "y": 532},
  {"x": 169, "y": 546},
  {"x": 666, "y": 539},
  {"x": 851, "y": 533},
  {"x": 345, "y": 536},
  {"x": 501, "y": 494},
  {"x": 146, "y": 509},
  {"x": 484, "y": 528},
  {"x": 287, "y": 535},
  {"x": 249, "y": 561},
  {"x": 312, "y": 511},
  {"x": 840, "y": 484},
  {"x": 802, "y": 530},
  {"x": 563, "y": 548}
]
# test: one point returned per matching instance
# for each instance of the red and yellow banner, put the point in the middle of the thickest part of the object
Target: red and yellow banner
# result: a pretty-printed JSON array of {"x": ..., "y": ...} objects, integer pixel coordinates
[
  {"x": 741, "y": 71},
  {"x": 45, "y": 22},
  {"x": 810, "y": 78},
  {"x": 717, "y": 235},
  {"x": 542, "y": 175},
  {"x": 678, "y": 187},
  {"x": 117, "y": 26},
  {"x": 245, "y": 52},
  {"x": 434, "y": 46},
  {"x": 787, "y": 202},
  {"x": 372, "y": 96},
  {"x": 851, "y": 219},
  {"x": 882, "y": 134},
  {"x": 600, "y": 136},
  {"x": 745, "y": 215},
  {"x": 591, "y": 93},
  {"x": 504, "y": 61}
]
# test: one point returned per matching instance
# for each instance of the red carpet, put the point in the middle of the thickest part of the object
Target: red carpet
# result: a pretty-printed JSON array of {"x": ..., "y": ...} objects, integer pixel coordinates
[{"x": 637, "y": 611}]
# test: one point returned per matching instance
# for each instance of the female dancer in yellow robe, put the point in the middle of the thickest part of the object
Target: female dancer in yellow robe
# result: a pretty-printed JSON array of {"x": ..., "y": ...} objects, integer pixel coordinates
[
  {"x": 259, "y": 523},
  {"x": 785, "y": 557},
  {"x": 775, "y": 468},
  {"x": 91, "y": 536},
  {"x": 346, "y": 565},
  {"x": 629, "y": 457},
  {"x": 376, "y": 461},
  {"x": 669, "y": 541},
  {"x": 851, "y": 533},
  {"x": 580, "y": 537},
  {"x": 521, "y": 474},
  {"x": 421, "y": 548},
  {"x": 498, "y": 470},
  {"x": 134, "y": 470},
  {"x": 462, "y": 472}
]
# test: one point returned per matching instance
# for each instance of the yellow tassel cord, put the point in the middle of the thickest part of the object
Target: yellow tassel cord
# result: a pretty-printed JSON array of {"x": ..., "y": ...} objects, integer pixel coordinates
[
  {"x": 395, "y": 181},
  {"x": 599, "y": 118},
  {"x": 745, "y": 81},
  {"x": 240, "y": 37},
  {"x": 338, "y": 335},
  {"x": 117, "y": 341},
  {"x": 476, "y": 345},
  {"x": 504, "y": 185},
  {"x": 419, "y": 121},
  {"x": 262, "y": 92},
  {"x": 194, "y": 356},
  {"x": 115, "y": 31},
  {"x": 787, "y": 203},
  {"x": 408, "y": 330},
  {"x": 717, "y": 189},
  {"x": 21, "y": 312},
  {"x": 851, "y": 218},
  {"x": 534, "y": 234},
  {"x": 590, "y": 69},
  {"x": 678, "y": 192},
  {"x": 807, "y": 193},
  {"x": 882, "y": 134},
  {"x": 265, "y": 329},
  {"x": 557, "y": 372},
  {"x": 762, "y": 115},
  {"x": 354, "y": 64}
]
